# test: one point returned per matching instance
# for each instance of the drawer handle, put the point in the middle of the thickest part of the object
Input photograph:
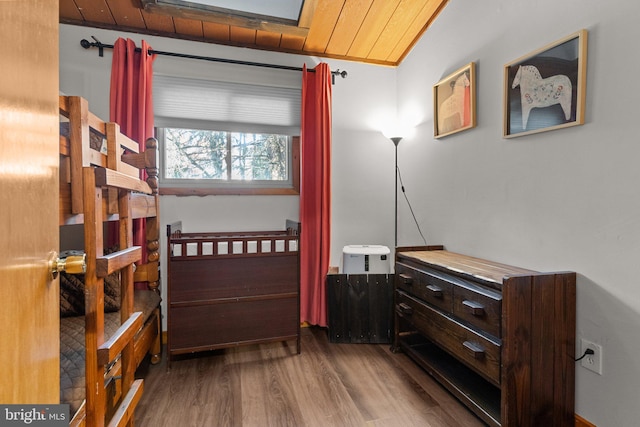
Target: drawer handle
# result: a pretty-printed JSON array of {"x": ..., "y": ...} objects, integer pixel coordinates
[
  {"x": 435, "y": 291},
  {"x": 474, "y": 349},
  {"x": 475, "y": 308},
  {"x": 406, "y": 279},
  {"x": 403, "y": 308}
]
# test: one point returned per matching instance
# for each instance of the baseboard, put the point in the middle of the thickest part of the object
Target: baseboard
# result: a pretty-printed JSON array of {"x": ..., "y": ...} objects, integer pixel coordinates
[
  {"x": 164, "y": 333},
  {"x": 581, "y": 422}
]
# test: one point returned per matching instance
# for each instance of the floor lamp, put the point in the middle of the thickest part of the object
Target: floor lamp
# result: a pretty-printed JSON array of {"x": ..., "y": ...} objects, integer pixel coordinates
[{"x": 396, "y": 140}]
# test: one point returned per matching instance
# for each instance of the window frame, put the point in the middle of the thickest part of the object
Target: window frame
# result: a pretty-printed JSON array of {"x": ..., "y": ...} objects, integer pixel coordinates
[{"x": 230, "y": 188}]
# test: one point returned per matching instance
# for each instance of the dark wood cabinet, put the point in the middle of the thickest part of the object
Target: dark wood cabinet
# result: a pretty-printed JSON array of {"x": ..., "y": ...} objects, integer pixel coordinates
[
  {"x": 500, "y": 338},
  {"x": 360, "y": 308}
]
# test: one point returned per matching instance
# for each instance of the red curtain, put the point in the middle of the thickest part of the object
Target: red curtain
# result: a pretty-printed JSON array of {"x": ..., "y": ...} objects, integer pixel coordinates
[
  {"x": 131, "y": 105},
  {"x": 315, "y": 193}
]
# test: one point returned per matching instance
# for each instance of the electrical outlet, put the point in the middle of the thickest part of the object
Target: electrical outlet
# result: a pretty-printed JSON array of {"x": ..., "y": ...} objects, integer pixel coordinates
[{"x": 592, "y": 362}]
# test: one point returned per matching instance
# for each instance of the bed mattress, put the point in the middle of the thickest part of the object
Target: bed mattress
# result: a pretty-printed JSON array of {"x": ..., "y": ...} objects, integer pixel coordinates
[{"x": 72, "y": 347}]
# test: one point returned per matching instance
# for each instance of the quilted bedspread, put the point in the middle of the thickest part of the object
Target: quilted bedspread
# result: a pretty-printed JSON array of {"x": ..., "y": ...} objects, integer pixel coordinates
[{"x": 72, "y": 366}]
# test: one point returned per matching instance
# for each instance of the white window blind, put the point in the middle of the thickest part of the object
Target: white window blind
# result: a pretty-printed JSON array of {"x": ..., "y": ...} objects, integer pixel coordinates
[{"x": 206, "y": 104}]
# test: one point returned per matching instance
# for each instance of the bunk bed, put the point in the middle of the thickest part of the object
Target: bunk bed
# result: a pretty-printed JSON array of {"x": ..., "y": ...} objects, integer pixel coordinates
[{"x": 107, "y": 326}]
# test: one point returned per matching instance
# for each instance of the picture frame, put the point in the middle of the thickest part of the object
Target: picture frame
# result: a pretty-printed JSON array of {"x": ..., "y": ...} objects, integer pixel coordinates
[
  {"x": 545, "y": 89},
  {"x": 454, "y": 102}
]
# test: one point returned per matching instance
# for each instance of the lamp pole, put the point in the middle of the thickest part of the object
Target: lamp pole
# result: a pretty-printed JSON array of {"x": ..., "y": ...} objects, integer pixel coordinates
[{"x": 396, "y": 140}]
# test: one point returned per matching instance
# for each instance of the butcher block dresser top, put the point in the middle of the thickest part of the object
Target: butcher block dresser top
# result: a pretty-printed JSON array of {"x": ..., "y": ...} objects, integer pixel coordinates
[{"x": 486, "y": 271}]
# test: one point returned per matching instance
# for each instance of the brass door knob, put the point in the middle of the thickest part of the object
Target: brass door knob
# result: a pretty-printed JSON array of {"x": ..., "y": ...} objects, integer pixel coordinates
[{"x": 74, "y": 264}]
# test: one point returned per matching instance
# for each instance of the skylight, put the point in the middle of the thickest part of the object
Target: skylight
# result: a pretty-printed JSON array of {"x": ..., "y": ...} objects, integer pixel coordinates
[{"x": 285, "y": 9}]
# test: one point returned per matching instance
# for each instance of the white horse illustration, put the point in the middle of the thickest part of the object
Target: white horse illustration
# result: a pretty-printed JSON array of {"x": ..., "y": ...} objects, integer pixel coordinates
[
  {"x": 536, "y": 92},
  {"x": 451, "y": 110}
]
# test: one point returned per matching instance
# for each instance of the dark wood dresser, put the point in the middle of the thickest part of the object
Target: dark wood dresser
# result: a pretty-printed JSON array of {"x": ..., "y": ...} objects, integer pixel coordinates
[{"x": 499, "y": 338}]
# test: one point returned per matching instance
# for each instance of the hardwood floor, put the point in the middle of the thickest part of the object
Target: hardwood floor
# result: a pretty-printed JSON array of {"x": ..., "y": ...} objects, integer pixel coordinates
[{"x": 270, "y": 385}]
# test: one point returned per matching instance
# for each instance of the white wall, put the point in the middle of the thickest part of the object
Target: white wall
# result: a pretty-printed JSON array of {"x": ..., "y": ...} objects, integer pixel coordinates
[
  {"x": 560, "y": 200},
  {"x": 362, "y": 157}
]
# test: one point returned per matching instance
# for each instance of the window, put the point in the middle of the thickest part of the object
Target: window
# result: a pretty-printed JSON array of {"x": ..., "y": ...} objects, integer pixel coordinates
[
  {"x": 226, "y": 138},
  {"x": 212, "y": 162}
]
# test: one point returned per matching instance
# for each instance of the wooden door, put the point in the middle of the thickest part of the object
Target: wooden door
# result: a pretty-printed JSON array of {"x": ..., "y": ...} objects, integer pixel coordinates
[{"x": 29, "y": 312}]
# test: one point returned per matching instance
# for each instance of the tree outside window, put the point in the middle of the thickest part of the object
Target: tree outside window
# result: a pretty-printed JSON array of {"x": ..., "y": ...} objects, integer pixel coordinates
[{"x": 192, "y": 154}]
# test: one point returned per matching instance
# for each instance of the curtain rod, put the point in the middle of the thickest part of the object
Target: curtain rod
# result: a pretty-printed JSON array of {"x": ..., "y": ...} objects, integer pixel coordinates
[{"x": 101, "y": 46}]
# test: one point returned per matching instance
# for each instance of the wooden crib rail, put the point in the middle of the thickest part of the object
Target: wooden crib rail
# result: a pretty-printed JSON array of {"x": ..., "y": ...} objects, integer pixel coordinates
[
  {"x": 199, "y": 246},
  {"x": 232, "y": 244}
]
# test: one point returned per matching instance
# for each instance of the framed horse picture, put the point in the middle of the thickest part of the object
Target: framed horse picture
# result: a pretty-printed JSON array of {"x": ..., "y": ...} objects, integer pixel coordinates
[
  {"x": 545, "y": 90},
  {"x": 454, "y": 102}
]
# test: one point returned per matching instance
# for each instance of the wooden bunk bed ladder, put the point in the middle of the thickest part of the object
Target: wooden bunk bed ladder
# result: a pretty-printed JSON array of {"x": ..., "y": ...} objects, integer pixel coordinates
[
  {"x": 102, "y": 179},
  {"x": 101, "y": 353}
]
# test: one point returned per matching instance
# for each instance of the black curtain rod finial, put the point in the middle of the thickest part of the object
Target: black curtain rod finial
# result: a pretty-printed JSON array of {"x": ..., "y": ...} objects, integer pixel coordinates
[
  {"x": 101, "y": 46},
  {"x": 337, "y": 72},
  {"x": 342, "y": 73}
]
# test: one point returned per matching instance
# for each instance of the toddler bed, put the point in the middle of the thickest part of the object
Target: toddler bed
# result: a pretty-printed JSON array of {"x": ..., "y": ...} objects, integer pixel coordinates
[
  {"x": 106, "y": 328},
  {"x": 232, "y": 288}
]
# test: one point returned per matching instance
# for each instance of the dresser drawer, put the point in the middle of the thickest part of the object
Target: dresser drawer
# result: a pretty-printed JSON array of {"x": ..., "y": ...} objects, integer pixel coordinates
[
  {"x": 475, "y": 350},
  {"x": 429, "y": 287},
  {"x": 479, "y": 307}
]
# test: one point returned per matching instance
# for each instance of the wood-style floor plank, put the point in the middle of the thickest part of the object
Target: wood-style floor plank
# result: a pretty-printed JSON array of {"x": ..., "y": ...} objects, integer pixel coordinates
[{"x": 328, "y": 384}]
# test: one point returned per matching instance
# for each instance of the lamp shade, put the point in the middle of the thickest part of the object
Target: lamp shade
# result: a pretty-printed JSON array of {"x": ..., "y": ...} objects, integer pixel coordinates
[
  {"x": 394, "y": 132},
  {"x": 396, "y": 139}
]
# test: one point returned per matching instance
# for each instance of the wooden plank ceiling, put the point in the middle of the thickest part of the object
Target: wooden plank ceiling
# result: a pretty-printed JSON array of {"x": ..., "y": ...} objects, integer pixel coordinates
[{"x": 372, "y": 31}]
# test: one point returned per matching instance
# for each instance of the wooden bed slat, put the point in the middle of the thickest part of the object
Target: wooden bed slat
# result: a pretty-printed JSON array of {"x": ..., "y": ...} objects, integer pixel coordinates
[
  {"x": 96, "y": 158},
  {"x": 78, "y": 132},
  {"x": 117, "y": 143},
  {"x": 142, "y": 206},
  {"x": 149, "y": 339},
  {"x": 108, "y": 264},
  {"x": 94, "y": 121},
  {"x": 124, "y": 141},
  {"x": 80, "y": 417},
  {"x": 137, "y": 160},
  {"x": 111, "y": 178},
  {"x": 126, "y": 410},
  {"x": 108, "y": 351}
]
